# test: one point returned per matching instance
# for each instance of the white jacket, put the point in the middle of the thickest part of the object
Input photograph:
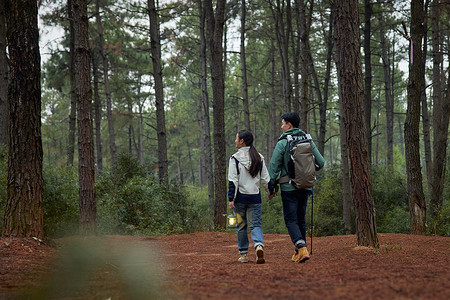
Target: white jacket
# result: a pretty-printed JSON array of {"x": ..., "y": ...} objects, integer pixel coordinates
[{"x": 246, "y": 184}]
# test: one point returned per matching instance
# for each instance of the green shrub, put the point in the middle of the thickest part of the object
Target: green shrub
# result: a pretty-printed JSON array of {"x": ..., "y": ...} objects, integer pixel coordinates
[
  {"x": 61, "y": 209},
  {"x": 328, "y": 219},
  {"x": 198, "y": 208},
  {"x": 396, "y": 221},
  {"x": 390, "y": 194},
  {"x": 272, "y": 215},
  {"x": 131, "y": 202}
]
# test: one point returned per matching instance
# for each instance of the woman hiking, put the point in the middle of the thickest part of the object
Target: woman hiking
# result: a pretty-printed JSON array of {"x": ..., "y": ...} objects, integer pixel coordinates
[{"x": 245, "y": 172}]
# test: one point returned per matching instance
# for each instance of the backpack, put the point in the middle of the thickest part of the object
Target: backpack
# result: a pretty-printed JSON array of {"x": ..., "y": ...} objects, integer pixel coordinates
[{"x": 301, "y": 166}]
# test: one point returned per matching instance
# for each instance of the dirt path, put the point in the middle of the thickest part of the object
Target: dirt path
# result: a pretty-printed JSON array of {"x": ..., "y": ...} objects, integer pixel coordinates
[{"x": 204, "y": 266}]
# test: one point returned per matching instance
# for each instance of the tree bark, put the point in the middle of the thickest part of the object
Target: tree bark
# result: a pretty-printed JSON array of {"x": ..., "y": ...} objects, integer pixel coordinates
[
  {"x": 244, "y": 68},
  {"x": 97, "y": 114},
  {"x": 109, "y": 116},
  {"x": 304, "y": 65},
  {"x": 206, "y": 119},
  {"x": 274, "y": 121},
  {"x": 4, "y": 106},
  {"x": 368, "y": 75},
  {"x": 417, "y": 207},
  {"x": 348, "y": 63},
  {"x": 345, "y": 168},
  {"x": 296, "y": 45},
  {"x": 323, "y": 105},
  {"x": 282, "y": 35},
  {"x": 426, "y": 126},
  {"x": 389, "y": 102},
  {"x": 73, "y": 97},
  {"x": 24, "y": 203},
  {"x": 140, "y": 147},
  {"x": 163, "y": 164},
  {"x": 215, "y": 25},
  {"x": 441, "y": 104},
  {"x": 86, "y": 168}
]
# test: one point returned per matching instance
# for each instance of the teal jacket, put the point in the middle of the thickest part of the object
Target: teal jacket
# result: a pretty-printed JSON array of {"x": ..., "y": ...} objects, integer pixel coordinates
[{"x": 278, "y": 166}]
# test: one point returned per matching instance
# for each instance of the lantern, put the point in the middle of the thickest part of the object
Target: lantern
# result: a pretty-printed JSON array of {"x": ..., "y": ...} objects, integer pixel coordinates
[{"x": 231, "y": 221}]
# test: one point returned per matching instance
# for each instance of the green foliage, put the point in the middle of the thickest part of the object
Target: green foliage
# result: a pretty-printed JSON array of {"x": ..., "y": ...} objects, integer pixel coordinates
[
  {"x": 200, "y": 218},
  {"x": 272, "y": 215},
  {"x": 61, "y": 210},
  {"x": 389, "y": 193},
  {"x": 130, "y": 202},
  {"x": 443, "y": 220},
  {"x": 395, "y": 220},
  {"x": 328, "y": 218},
  {"x": 391, "y": 199}
]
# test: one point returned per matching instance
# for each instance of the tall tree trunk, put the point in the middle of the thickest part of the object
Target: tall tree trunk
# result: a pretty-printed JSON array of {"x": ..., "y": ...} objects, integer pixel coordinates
[
  {"x": 24, "y": 203},
  {"x": 400, "y": 133},
  {"x": 423, "y": 99},
  {"x": 73, "y": 96},
  {"x": 323, "y": 105},
  {"x": 304, "y": 66},
  {"x": 441, "y": 104},
  {"x": 97, "y": 113},
  {"x": 273, "y": 112},
  {"x": 130, "y": 127},
  {"x": 417, "y": 208},
  {"x": 368, "y": 75},
  {"x": 214, "y": 33},
  {"x": 4, "y": 106},
  {"x": 296, "y": 45},
  {"x": 345, "y": 168},
  {"x": 377, "y": 125},
  {"x": 86, "y": 169},
  {"x": 206, "y": 119},
  {"x": 244, "y": 68},
  {"x": 282, "y": 32},
  {"x": 348, "y": 63},
  {"x": 163, "y": 164},
  {"x": 389, "y": 102},
  {"x": 109, "y": 116},
  {"x": 201, "y": 142},
  {"x": 140, "y": 148}
]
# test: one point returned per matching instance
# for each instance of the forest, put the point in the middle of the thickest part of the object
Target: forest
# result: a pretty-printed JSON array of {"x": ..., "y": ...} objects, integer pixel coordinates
[{"x": 124, "y": 120}]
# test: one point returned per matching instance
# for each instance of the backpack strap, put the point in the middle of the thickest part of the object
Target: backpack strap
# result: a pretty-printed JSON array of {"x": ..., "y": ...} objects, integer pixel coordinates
[{"x": 237, "y": 164}]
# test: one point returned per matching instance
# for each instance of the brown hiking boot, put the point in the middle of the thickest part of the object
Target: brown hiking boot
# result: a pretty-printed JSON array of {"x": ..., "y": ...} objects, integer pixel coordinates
[
  {"x": 295, "y": 256},
  {"x": 260, "y": 255},
  {"x": 301, "y": 256}
]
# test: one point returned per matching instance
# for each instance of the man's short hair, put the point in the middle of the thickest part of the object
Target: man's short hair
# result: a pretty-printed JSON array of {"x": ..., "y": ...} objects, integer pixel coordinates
[{"x": 291, "y": 117}]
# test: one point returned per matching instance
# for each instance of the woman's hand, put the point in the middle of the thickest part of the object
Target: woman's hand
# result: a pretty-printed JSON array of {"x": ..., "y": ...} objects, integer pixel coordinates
[{"x": 231, "y": 204}]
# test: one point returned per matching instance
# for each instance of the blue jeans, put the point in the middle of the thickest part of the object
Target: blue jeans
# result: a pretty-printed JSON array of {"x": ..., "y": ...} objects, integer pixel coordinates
[
  {"x": 294, "y": 210},
  {"x": 248, "y": 214}
]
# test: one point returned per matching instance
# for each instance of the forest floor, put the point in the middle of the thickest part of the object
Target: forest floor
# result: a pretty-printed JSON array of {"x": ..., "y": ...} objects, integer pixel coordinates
[{"x": 205, "y": 266}]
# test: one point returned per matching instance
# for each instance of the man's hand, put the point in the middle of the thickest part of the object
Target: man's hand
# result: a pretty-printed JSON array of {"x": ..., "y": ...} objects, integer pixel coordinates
[
  {"x": 231, "y": 204},
  {"x": 271, "y": 196}
]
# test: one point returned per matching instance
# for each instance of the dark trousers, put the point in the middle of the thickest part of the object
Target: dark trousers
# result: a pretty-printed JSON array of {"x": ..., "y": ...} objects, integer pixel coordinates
[{"x": 294, "y": 210}]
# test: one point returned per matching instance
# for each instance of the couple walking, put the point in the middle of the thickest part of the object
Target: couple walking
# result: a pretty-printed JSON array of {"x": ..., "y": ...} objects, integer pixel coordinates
[{"x": 246, "y": 170}]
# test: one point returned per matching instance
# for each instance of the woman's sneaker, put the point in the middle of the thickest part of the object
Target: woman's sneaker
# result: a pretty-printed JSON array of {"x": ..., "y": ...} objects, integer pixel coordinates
[
  {"x": 243, "y": 258},
  {"x": 260, "y": 255}
]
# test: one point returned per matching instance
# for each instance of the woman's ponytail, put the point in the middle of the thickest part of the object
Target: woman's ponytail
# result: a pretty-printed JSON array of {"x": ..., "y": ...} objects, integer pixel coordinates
[{"x": 256, "y": 165}]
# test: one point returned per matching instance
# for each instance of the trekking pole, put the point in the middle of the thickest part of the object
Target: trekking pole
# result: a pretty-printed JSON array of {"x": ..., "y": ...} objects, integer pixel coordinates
[{"x": 312, "y": 210}]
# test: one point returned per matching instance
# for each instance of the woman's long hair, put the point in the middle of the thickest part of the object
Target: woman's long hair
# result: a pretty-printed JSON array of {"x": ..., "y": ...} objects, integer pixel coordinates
[{"x": 257, "y": 164}]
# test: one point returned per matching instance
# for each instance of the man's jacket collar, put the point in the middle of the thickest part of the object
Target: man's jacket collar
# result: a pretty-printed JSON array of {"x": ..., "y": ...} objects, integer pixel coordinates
[{"x": 293, "y": 131}]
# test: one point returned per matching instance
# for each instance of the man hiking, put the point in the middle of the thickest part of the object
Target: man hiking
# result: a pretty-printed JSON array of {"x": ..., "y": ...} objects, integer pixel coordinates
[{"x": 294, "y": 198}]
